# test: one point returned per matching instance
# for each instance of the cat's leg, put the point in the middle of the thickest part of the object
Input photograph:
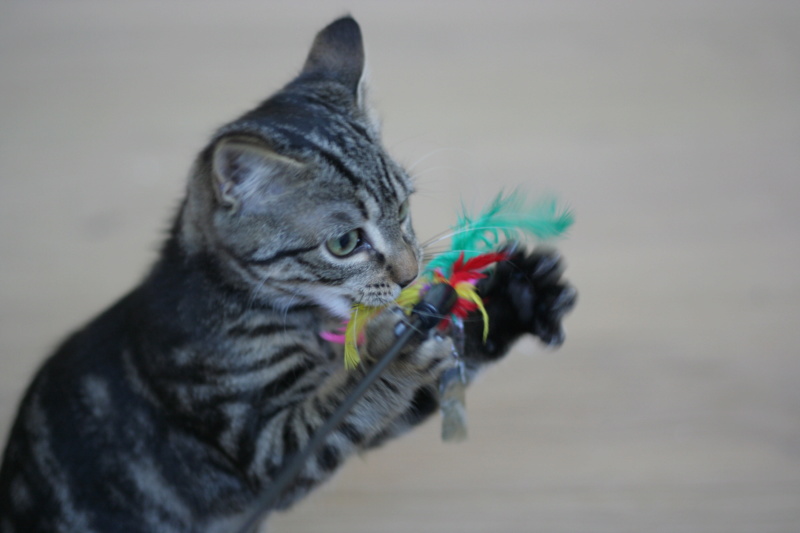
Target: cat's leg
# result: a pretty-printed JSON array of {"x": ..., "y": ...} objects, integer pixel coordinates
[
  {"x": 433, "y": 355},
  {"x": 408, "y": 384}
]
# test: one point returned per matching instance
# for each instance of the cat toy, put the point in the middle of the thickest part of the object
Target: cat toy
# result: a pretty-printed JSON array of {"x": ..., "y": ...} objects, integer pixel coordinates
[{"x": 475, "y": 242}]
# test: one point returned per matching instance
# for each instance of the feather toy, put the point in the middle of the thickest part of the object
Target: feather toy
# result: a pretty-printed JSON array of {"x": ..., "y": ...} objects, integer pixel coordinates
[
  {"x": 473, "y": 245},
  {"x": 506, "y": 218}
]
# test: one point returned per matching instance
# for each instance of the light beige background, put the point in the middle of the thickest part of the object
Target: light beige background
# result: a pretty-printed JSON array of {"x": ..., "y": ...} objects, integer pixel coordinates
[{"x": 672, "y": 129}]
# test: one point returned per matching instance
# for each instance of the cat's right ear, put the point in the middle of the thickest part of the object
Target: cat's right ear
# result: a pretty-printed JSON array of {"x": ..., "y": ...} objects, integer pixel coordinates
[{"x": 247, "y": 174}]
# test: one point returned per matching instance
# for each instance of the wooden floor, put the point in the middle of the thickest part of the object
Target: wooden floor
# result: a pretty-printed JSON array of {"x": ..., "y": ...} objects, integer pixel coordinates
[{"x": 671, "y": 128}]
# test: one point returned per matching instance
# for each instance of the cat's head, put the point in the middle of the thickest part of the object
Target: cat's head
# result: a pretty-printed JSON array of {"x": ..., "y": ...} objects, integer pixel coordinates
[{"x": 298, "y": 200}]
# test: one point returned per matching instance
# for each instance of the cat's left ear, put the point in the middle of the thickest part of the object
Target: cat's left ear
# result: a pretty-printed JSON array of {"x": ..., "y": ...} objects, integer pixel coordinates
[
  {"x": 338, "y": 54},
  {"x": 248, "y": 174}
]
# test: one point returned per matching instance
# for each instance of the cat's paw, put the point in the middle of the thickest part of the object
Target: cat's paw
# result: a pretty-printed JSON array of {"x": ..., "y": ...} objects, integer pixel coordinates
[
  {"x": 427, "y": 355},
  {"x": 526, "y": 294},
  {"x": 539, "y": 296}
]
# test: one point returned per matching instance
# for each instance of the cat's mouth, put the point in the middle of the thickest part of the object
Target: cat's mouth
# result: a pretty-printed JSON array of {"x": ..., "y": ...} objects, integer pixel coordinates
[
  {"x": 376, "y": 301},
  {"x": 340, "y": 304},
  {"x": 381, "y": 296}
]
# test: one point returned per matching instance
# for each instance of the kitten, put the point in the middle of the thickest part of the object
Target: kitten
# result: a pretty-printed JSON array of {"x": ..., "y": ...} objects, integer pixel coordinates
[{"x": 171, "y": 410}]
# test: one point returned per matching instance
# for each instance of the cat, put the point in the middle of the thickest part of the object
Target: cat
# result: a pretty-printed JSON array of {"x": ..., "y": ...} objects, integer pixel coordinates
[{"x": 174, "y": 408}]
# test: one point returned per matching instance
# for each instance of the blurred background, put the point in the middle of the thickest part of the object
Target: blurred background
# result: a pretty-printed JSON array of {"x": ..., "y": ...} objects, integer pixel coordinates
[{"x": 671, "y": 128}]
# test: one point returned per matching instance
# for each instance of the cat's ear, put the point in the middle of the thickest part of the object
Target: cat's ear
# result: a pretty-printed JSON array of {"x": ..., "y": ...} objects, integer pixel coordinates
[
  {"x": 338, "y": 54},
  {"x": 248, "y": 173}
]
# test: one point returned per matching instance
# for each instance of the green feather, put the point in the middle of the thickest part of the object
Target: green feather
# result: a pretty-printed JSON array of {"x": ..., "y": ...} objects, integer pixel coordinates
[{"x": 507, "y": 218}]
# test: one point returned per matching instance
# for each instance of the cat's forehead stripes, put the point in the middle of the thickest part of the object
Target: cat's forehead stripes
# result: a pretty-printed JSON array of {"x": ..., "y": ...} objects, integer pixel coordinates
[
  {"x": 319, "y": 131},
  {"x": 311, "y": 147}
]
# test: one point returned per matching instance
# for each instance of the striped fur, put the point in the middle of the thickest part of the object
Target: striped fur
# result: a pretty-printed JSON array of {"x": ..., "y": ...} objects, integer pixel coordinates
[{"x": 172, "y": 409}]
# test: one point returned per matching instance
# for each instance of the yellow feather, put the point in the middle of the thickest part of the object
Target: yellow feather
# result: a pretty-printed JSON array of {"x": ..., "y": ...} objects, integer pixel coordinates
[
  {"x": 359, "y": 317},
  {"x": 410, "y": 296},
  {"x": 351, "y": 358},
  {"x": 468, "y": 291}
]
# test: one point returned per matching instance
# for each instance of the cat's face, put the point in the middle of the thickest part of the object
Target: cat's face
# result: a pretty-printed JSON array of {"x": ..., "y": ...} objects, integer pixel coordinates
[
  {"x": 294, "y": 229},
  {"x": 306, "y": 215}
]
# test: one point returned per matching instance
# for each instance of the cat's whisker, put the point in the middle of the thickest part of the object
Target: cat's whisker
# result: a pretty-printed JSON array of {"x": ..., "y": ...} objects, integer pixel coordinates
[
  {"x": 430, "y": 154},
  {"x": 286, "y": 312},
  {"x": 436, "y": 238},
  {"x": 450, "y": 251},
  {"x": 450, "y": 234},
  {"x": 437, "y": 247},
  {"x": 254, "y": 292},
  {"x": 418, "y": 174}
]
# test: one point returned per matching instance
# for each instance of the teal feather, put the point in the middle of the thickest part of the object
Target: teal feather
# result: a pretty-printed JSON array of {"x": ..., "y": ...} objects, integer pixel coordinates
[{"x": 507, "y": 218}]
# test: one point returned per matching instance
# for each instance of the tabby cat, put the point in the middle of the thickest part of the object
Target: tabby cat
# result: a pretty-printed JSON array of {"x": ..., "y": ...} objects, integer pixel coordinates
[{"x": 171, "y": 410}]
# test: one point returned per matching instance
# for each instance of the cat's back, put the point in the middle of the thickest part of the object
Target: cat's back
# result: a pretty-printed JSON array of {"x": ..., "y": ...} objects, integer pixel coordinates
[
  {"x": 98, "y": 446},
  {"x": 86, "y": 437},
  {"x": 73, "y": 412},
  {"x": 68, "y": 406}
]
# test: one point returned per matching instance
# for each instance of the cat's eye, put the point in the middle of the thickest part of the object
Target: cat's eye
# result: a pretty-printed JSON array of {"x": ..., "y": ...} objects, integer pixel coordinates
[
  {"x": 344, "y": 244},
  {"x": 403, "y": 211}
]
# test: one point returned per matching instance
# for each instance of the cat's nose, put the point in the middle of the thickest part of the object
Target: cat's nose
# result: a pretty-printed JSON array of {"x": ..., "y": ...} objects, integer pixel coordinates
[
  {"x": 406, "y": 283},
  {"x": 404, "y": 267}
]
